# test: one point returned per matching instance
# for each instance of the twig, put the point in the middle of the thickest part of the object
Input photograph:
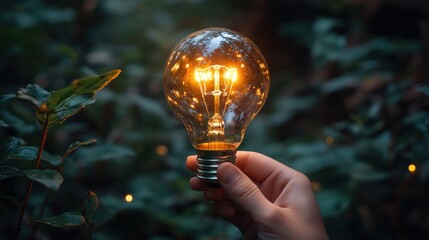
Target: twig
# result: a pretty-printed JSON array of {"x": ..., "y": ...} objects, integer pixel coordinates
[{"x": 30, "y": 182}]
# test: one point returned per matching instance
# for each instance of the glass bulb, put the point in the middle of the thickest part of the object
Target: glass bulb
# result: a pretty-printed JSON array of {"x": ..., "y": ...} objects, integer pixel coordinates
[{"x": 215, "y": 81}]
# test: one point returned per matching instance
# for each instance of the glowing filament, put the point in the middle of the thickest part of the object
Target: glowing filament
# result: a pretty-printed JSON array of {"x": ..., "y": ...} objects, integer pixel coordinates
[{"x": 216, "y": 81}]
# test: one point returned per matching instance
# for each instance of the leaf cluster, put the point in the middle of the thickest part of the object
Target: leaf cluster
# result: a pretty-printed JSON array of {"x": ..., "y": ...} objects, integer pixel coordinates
[{"x": 52, "y": 109}]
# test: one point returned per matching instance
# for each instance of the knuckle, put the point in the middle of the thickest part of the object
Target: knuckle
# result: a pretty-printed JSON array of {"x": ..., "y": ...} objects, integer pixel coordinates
[
  {"x": 271, "y": 215},
  {"x": 245, "y": 190},
  {"x": 303, "y": 180}
]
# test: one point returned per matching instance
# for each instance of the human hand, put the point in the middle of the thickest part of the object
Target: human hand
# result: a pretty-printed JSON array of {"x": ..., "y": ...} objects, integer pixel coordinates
[{"x": 263, "y": 198}]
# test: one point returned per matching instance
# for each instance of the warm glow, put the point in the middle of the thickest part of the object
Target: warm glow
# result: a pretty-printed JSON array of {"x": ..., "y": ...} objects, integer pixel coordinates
[
  {"x": 216, "y": 91},
  {"x": 316, "y": 186},
  {"x": 215, "y": 82},
  {"x": 230, "y": 74},
  {"x": 175, "y": 67},
  {"x": 177, "y": 93},
  {"x": 203, "y": 75},
  {"x": 128, "y": 198},
  {"x": 412, "y": 168},
  {"x": 329, "y": 140},
  {"x": 161, "y": 150}
]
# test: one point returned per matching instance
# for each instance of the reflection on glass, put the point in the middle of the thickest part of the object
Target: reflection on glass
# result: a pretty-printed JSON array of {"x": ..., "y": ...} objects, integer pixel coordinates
[{"x": 216, "y": 81}]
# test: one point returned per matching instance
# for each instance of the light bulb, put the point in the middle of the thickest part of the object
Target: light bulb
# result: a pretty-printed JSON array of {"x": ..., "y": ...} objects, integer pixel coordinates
[{"x": 216, "y": 81}]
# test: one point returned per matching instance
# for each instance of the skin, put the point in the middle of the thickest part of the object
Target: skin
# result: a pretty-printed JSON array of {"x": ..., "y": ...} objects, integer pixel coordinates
[{"x": 263, "y": 198}]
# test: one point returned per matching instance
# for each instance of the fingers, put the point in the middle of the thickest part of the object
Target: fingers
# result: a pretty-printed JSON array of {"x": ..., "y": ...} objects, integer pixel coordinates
[
  {"x": 224, "y": 209},
  {"x": 242, "y": 191},
  {"x": 257, "y": 166},
  {"x": 227, "y": 210},
  {"x": 197, "y": 184},
  {"x": 191, "y": 163},
  {"x": 211, "y": 194}
]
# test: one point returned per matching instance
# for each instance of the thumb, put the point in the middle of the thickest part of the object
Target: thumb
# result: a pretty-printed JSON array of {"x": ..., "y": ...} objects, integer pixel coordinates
[{"x": 241, "y": 190}]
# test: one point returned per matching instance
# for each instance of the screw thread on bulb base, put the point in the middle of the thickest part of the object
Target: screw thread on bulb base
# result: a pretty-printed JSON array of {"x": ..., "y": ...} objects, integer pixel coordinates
[{"x": 209, "y": 160}]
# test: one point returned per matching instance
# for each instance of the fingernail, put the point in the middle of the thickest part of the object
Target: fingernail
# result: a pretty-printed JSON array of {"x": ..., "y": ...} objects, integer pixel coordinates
[{"x": 227, "y": 173}]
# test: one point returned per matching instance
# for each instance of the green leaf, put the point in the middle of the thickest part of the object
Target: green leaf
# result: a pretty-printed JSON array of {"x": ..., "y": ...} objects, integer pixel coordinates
[
  {"x": 91, "y": 205},
  {"x": 48, "y": 177},
  {"x": 55, "y": 160},
  {"x": 313, "y": 157},
  {"x": 287, "y": 107},
  {"x": 3, "y": 102},
  {"x": 68, "y": 108},
  {"x": 87, "y": 85},
  {"x": 366, "y": 173},
  {"x": 29, "y": 153},
  {"x": 9, "y": 119},
  {"x": 67, "y": 101},
  {"x": 64, "y": 220},
  {"x": 7, "y": 171},
  {"x": 37, "y": 93},
  {"x": 103, "y": 152},
  {"x": 374, "y": 149},
  {"x": 328, "y": 45},
  {"x": 72, "y": 147},
  {"x": 332, "y": 202},
  {"x": 313, "y": 148},
  {"x": 9, "y": 146},
  {"x": 339, "y": 83}
]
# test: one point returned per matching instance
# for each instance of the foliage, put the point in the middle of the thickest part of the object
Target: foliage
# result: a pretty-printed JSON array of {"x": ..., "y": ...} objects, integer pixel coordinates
[
  {"x": 348, "y": 107},
  {"x": 51, "y": 109}
]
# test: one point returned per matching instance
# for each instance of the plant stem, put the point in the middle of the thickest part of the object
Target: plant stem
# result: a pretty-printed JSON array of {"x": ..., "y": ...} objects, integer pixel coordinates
[{"x": 30, "y": 182}]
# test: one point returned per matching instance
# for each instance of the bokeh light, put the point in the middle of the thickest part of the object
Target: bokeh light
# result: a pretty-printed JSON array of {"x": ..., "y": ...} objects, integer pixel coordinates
[
  {"x": 161, "y": 150},
  {"x": 128, "y": 198},
  {"x": 329, "y": 140},
  {"x": 412, "y": 168},
  {"x": 316, "y": 186}
]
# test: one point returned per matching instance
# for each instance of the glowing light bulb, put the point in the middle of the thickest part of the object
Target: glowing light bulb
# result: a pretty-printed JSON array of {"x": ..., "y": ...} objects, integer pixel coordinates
[{"x": 215, "y": 81}]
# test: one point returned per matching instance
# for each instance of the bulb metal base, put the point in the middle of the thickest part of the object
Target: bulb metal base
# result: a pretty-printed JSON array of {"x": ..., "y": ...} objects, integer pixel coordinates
[{"x": 209, "y": 160}]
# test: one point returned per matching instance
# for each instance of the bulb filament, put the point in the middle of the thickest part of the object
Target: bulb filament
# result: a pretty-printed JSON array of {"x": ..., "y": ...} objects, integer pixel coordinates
[{"x": 217, "y": 74}]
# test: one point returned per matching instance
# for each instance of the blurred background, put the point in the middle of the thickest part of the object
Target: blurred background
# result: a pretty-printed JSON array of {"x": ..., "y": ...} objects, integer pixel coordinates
[{"x": 348, "y": 106}]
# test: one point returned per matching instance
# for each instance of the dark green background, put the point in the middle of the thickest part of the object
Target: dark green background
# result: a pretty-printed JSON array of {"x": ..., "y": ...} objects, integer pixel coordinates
[{"x": 349, "y": 71}]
